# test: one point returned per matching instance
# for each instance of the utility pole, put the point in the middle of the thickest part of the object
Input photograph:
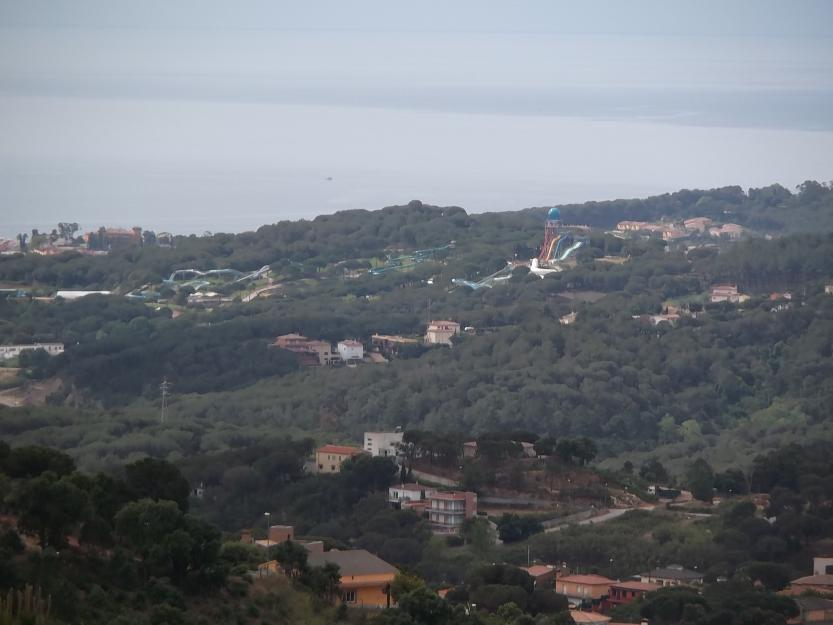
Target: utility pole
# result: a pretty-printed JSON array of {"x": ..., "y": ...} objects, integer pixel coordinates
[{"x": 165, "y": 387}]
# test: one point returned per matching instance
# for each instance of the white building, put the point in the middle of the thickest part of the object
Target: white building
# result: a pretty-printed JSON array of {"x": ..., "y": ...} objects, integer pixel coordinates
[
  {"x": 7, "y": 352},
  {"x": 823, "y": 565},
  {"x": 382, "y": 443},
  {"x": 440, "y": 332},
  {"x": 351, "y": 351}
]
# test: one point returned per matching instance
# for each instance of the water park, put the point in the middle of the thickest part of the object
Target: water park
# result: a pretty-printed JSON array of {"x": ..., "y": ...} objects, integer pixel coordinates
[{"x": 557, "y": 254}]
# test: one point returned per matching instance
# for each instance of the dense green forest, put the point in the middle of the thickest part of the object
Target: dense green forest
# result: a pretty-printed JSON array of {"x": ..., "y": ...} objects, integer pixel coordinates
[{"x": 724, "y": 382}]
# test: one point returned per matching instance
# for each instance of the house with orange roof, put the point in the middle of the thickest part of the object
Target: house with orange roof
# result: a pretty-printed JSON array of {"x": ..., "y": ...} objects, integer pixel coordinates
[
  {"x": 622, "y": 593},
  {"x": 543, "y": 574},
  {"x": 583, "y": 588},
  {"x": 329, "y": 458}
]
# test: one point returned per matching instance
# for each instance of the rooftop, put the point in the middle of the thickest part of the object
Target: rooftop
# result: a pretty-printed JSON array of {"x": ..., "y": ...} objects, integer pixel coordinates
[
  {"x": 640, "y": 586},
  {"x": 352, "y": 562},
  {"x": 813, "y": 603},
  {"x": 453, "y": 495},
  {"x": 539, "y": 569},
  {"x": 672, "y": 572},
  {"x": 339, "y": 449},
  {"x": 413, "y": 487},
  {"x": 814, "y": 580},
  {"x": 587, "y": 579}
]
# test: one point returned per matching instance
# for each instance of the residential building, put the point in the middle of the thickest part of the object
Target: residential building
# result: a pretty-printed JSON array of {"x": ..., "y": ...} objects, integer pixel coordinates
[
  {"x": 383, "y": 443},
  {"x": 8, "y": 352},
  {"x": 410, "y": 497},
  {"x": 568, "y": 319},
  {"x": 639, "y": 226},
  {"x": 672, "y": 575},
  {"x": 698, "y": 224},
  {"x": 813, "y": 610},
  {"x": 543, "y": 574},
  {"x": 281, "y": 533},
  {"x": 365, "y": 578},
  {"x": 732, "y": 231},
  {"x": 291, "y": 342},
  {"x": 672, "y": 234},
  {"x": 315, "y": 351},
  {"x": 391, "y": 344},
  {"x": 118, "y": 238},
  {"x": 329, "y": 458},
  {"x": 725, "y": 293},
  {"x": 441, "y": 332},
  {"x": 812, "y": 583},
  {"x": 583, "y": 588},
  {"x": 448, "y": 510},
  {"x": 625, "y": 592},
  {"x": 823, "y": 565},
  {"x": 275, "y": 535},
  {"x": 350, "y": 351}
]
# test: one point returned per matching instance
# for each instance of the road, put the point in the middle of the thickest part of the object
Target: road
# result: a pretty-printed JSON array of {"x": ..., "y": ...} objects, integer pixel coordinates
[{"x": 601, "y": 518}]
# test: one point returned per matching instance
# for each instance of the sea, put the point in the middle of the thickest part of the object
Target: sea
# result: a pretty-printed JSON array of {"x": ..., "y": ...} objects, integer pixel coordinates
[{"x": 188, "y": 132}]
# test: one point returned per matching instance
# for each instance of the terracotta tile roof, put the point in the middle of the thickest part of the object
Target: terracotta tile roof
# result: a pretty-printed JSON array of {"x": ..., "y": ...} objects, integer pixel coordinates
[
  {"x": 339, "y": 449},
  {"x": 538, "y": 570},
  {"x": 815, "y": 580},
  {"x": 587, "y": 579}
]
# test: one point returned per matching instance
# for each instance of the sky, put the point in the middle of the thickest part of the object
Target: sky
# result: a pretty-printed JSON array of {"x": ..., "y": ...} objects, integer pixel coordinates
[{"x": 200, "y": 115}]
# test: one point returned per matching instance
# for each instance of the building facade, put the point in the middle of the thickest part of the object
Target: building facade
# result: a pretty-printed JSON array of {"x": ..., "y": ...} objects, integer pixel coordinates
[
  {"x": 350, "y": 351},
  {"x": 441, "y": 332},
  {"x": 7, "y": 352},
  {"x": 448, "y": 510},
  {"x": 583, "y": 588},
  {"x": 725, "y": 293},
  {"x": 365, "y": 578},
  {"x": 625, "y": 592},
  {"x": 382, "y": 443},
  {"x": 672, "y": 575},
  {"x": 329, "y": 458}
]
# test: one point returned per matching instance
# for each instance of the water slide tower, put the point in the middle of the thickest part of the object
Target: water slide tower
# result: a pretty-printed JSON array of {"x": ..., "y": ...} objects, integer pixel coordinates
[{"x": 551, "y": 233}]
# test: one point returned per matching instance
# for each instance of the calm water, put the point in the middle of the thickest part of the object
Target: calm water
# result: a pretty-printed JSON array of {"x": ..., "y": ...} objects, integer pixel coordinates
[{"x": 187, "y": 132}]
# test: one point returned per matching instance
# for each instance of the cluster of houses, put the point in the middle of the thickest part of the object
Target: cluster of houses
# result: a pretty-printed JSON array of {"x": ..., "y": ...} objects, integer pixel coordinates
[
  {"x": 446, "y": 510},
  {"x": 317, "y": 352},
  {"x": 680, "y": 230}
]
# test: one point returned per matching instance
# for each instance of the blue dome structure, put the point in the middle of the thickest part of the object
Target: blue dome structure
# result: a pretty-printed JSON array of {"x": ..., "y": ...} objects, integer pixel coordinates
[{"x": 554, "y": 214}]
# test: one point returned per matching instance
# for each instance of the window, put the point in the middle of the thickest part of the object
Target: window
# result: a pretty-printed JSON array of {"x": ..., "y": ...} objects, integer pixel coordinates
[{"x": 349, "y": 596}]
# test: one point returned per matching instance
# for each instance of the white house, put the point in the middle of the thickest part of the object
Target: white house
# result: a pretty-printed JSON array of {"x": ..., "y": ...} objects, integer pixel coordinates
[
  {"x": 7, "y": 352},
  {"x": 351, "y": 351},
  {"x": 382, "y": 443}
]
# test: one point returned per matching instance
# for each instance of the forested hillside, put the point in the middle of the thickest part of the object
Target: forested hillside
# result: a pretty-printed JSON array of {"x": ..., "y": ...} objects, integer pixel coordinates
[{"x": 721, "y": 373}]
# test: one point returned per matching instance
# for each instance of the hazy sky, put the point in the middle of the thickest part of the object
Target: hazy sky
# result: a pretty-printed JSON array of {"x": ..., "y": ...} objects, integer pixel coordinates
[{"x": 200, "y": 115}]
